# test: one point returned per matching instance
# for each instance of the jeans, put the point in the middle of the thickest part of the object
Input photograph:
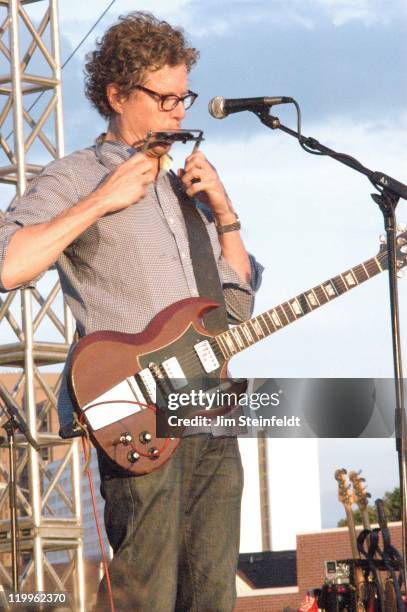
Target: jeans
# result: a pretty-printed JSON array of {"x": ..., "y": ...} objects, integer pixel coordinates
[{"x": 175, "y": 532}]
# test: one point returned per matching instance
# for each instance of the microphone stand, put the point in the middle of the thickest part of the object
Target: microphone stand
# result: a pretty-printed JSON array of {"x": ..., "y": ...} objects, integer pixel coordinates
[
  {"x": 14, "y": 422},
  {"x": 391, "y": 191}
]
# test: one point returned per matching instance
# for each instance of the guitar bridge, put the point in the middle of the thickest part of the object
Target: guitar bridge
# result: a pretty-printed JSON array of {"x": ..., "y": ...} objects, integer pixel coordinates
[
  {"x": 159, "y": 378},
  {"x": 148, "y": 384}
]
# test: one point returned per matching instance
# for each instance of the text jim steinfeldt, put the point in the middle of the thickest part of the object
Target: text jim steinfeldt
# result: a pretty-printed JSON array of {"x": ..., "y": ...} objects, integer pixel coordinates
[{"x": 240, "y": 421}]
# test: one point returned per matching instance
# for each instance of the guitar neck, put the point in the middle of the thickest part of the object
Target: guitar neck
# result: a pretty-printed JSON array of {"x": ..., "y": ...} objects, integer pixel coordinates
[
  {"x": 240, "y": 337},
  {"x": 352, "y": 532},
  {"x": 365, "y": 516}
]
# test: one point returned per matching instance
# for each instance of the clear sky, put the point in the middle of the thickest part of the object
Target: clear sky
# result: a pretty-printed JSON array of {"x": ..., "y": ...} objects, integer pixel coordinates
[{"x": 305, "y": 218}]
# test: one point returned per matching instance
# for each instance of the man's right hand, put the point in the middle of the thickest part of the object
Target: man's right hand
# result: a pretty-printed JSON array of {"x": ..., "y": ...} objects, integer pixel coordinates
[{"x": 127, "y": 184}]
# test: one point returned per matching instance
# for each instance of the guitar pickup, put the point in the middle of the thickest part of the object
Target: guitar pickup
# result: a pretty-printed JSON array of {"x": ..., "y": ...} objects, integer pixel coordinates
[
  {"x": 206, "y": 356},
  {"x": 175, "y": 373}
]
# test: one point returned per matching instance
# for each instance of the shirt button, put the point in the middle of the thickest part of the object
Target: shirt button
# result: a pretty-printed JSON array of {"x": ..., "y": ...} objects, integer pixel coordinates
[
  {"x": 183, "y": 254},
  {"x": 171, "y": 220}
]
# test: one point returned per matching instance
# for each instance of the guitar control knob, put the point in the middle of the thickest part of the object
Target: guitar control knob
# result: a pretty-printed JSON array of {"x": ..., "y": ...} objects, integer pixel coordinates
[
  {"x": 133, "y": 456},
  {"x": 125, "y": 438},
  {"x": 145, "y": 437},
  {"x": 154, "y": 452}
]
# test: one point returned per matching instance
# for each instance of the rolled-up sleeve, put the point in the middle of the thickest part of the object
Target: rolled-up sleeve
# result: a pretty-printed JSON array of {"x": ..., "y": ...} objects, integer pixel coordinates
[
  {"x": 239, "y": 296},
  {"x": 47, "y": 195},
  {"x": 7, "y": 229}
]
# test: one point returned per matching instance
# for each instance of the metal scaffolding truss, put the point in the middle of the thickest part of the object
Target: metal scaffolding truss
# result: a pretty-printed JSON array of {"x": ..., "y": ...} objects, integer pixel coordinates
[{"x": 35, "y": 325}]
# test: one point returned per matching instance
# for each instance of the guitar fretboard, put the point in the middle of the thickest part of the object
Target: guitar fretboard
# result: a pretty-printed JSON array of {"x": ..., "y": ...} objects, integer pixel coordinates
[{"x": 248, "y": 333}]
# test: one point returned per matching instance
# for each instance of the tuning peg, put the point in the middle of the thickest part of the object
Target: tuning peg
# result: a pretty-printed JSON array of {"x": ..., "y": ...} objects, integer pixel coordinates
[
  {"x": 383, "y": 239},
  {"x": 400, "y": 274},
  {"x": 404, "y": 249},
  {"x": 401, "y": 227}
]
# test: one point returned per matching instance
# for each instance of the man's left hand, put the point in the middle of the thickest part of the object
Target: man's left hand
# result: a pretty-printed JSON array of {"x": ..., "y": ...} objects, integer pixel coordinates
[{"x": 201, "y": 179}]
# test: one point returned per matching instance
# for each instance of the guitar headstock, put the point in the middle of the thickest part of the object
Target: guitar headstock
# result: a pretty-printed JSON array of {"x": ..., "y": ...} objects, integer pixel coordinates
[
  {"x": 359, "y": 489},
  {"x": 401, "y": 250},
  {"x": 345, "y": 495}
]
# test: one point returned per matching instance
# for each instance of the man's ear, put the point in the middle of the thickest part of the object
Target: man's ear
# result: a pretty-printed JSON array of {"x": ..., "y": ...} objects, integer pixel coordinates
[{"x": 115, "y": 98}]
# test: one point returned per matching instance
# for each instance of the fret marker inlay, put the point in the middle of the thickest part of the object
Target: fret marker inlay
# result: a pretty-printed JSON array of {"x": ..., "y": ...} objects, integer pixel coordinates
[
  {"x": 229, "y": 344},
  {"x": 275, "y": 318},
  {"x": 257, "y": 328},
  {"x": 247, "y": 333},
  {"x": 237, "y": 337},
  {"x": 350, "y": 280},
  {"x": 330, "y": 291}
]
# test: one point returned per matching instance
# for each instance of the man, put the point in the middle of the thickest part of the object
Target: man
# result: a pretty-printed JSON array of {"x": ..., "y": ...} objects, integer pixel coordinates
[{"x": 110, "y": 218}]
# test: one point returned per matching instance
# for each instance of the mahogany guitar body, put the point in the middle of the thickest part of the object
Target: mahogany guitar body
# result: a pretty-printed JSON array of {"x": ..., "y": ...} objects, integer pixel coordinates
[{"x": 105, "y": 362}]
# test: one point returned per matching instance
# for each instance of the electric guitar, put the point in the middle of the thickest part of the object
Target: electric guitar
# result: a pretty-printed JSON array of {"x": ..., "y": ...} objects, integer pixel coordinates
[
  {"x": 375, "y": 597},
  {"x": 116, "y": 378},
  {"x": 346, "y": 498}
]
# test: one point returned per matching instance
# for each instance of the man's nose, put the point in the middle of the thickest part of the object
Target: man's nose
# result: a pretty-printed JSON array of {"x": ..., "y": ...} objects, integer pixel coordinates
[{"x": 179, "y": 111}]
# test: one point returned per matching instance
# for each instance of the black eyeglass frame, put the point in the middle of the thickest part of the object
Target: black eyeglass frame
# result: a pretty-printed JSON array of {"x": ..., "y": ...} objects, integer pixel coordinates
[{"x": 161, "y": 98}]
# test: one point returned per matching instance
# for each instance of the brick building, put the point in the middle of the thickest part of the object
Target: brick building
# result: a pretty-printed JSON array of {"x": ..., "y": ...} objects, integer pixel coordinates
[{"x": 312, "y": 550}]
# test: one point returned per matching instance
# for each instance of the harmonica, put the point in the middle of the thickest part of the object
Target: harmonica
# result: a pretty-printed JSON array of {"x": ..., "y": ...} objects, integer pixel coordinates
[{"x": 171, "y": 136}]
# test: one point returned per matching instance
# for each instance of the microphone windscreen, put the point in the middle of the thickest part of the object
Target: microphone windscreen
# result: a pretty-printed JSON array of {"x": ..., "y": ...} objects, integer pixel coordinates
[{"x": 216, "y": 107}]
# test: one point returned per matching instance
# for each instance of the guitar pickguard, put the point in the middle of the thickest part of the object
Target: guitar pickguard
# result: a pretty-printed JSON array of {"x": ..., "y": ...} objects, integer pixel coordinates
[{"x": 193, "y": 352}]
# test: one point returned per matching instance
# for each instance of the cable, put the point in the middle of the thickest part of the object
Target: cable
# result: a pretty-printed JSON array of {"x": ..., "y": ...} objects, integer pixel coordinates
[
  {"x": 71, "y": 55},
  {"x": 87, "y": 35},
  {"x": 301, "y": 139},
  {"x": 98, "y": 527}
]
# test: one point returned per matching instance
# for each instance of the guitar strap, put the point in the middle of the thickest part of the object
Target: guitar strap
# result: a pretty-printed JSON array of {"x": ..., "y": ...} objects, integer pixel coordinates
[{"x": 203, "y": 261}]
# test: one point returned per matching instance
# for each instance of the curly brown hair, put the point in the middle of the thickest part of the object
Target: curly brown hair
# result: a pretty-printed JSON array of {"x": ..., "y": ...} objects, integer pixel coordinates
[{"x": 137, "y": 44}]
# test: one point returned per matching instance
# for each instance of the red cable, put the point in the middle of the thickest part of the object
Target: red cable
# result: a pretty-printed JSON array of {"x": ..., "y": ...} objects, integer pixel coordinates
[
  {"x": 89, "y": 475},
  {"x": 101, "y": 543}
]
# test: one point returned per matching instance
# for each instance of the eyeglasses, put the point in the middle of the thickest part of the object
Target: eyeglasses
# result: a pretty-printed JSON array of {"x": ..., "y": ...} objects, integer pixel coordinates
[{"x": 168, "y": 102}]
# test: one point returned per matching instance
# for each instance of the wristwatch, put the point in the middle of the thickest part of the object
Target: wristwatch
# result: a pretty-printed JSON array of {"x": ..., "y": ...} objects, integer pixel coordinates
[{"x": 230, "y": 227}]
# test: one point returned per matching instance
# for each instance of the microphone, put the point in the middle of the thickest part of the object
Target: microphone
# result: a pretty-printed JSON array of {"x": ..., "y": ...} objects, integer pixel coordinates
[{"x": 220, "y": 107}]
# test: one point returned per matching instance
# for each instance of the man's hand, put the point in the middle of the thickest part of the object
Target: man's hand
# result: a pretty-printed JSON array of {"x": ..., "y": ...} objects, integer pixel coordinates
[
  {"x": 201, "y": 179},
  {"x": 127, "y": 184}
]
